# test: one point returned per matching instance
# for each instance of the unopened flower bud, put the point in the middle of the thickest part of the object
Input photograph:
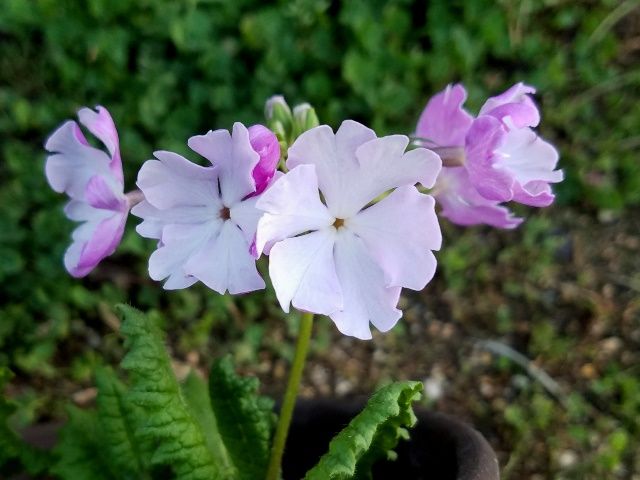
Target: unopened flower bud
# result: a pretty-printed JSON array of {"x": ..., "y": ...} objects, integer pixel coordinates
[{"x": 304, "y": 118}]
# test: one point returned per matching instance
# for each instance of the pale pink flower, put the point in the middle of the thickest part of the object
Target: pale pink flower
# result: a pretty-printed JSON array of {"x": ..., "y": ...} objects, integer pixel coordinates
[
  {"x": 500, "y": 158},
  {"x": 94, "y": 181},
  {"x": 343, "y": 255},
  {"x": 204, "y": 217}
]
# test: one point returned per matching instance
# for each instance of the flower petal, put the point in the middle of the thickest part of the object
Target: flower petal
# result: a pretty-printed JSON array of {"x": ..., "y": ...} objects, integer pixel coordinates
[
  {"x": 154, "y": 219},
  {"x": 292, "y": 205},
  {"x": 94, "y": 240},
  {"x": 245, "y": 215},
  {"x": 224, "y": 263},
  {"x": 73, "y": 161},
  {"x": 100, "y": 194},
  {"x": 365, "y": 295},
  {"x": 384, "y": 165},
  {"x": 399, "y": 232},
  {"x": 463, "y": 205},
  {"x": 235, "y": 158},
  {"x": 265, "y": 143},
  {"x": 333, "y": 156},
  {"x": 303, "y": 273},
  {"x": 101, "y": 125},
  {"x": 443, "y": 121},
  {"x": 485, "y": 136},
  {"x": 172, "y": 181},
  {"x": 515, "y": 103},
  {"x": 179, "y": 244}
]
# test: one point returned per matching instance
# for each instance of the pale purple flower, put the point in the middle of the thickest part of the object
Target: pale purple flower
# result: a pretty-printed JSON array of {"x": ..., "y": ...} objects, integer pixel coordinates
[
  {"x": 204, "y": 217},
  {"x": 345, "y": 256},
  {"x": 93, "y": 179},
  {"x": 506, "y": 159},
  {"x": 498, "y": 157},
  {"x": 265, "y": 142}
]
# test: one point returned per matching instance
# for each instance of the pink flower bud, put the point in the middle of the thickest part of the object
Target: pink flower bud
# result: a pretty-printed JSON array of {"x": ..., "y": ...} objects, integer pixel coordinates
[{"x": 265, "y": 143}]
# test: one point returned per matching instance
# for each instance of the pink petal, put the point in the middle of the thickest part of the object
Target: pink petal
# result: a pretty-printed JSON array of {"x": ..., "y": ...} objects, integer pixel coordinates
[
  {"x": 100, "y": 194},
  {"x": 245, "y": 215},
  {"x": 154, "y": 219},
  {"x": 94, "y": 240},
  {"x": 463, "y": 205},
  {"x": 292, "y": 205},
  {"x": 303, "y": 273},
  {"x": 485, "y": 136},
  {"x": 224, "y": 263},
  {"x": 233, "y": 156},
  {"x": 515, "y": 103},
  {"x": 363, "y": 283},
  {"x": 400, "y": 231},
  {"x": 443, "y": 120},
  {"x": 266, "y": 144},
  {"x": 101, "y": 125}
]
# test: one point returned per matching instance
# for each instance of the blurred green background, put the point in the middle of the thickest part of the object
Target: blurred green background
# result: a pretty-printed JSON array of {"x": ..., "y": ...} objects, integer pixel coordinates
[{"x": 170, "y": 69}]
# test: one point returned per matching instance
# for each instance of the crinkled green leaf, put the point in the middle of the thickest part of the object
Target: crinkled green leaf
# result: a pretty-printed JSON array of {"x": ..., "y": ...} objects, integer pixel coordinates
[
  {"x": 118, "y": 419},
  {"x": 15, "y": 455},
  {"x": 244, "y": 418},
  {"x": 371, "y": 435},
  {"x": 80, "y": 449},
  {"x": 196, "y": 393},
  {"x": 179, "y": 440}
]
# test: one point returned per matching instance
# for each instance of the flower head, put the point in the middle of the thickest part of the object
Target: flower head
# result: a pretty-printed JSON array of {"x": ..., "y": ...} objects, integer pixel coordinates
[
  {"x": 347, "y": 257},
  {"x": 501, "y": 157},
  {"x": 93, "y": 180},
  {"x": 204, "y": 217}
]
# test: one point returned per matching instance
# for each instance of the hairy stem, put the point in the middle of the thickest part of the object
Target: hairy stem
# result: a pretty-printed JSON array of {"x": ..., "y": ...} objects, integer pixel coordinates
[{"x": 289, "y": 401}]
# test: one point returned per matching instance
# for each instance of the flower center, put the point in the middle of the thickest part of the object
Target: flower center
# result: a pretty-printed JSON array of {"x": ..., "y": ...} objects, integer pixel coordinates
[
  {"x": 338, "y": 223},
  {"x": 225, "y": 213}
]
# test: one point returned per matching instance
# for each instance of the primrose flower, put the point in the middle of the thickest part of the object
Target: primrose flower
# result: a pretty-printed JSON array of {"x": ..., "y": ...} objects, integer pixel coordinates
[
  {"x": 348, "y": 257},
  {"x": 494, "y": 158},
  {"x": 204, "y": 217},
  {"x": 93, "y": 180}
]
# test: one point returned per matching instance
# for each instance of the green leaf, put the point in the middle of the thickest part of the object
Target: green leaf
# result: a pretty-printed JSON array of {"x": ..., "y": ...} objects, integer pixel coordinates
[
  {"x": 118, "y": 419},
  {"x": 196, "y": 393},
  {"x": 180, "y": 441},
  {"x": 79, "y": 449},
  {"x": 244, "y": 418},
  {"x": 373, "y": 434}
]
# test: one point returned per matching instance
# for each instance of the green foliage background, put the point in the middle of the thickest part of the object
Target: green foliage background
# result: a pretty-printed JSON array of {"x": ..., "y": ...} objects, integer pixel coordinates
[{"x": 170, "y": 69}]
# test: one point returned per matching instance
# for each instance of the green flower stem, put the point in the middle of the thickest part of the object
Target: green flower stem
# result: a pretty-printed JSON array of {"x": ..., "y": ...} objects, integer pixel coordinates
[{"x": 289, "y": 401}]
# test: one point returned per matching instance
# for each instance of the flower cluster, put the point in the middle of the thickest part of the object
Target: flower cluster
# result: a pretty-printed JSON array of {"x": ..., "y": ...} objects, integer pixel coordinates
[
  {"x": 346, "y": 224},
  {"x": 493, "y": 158}
]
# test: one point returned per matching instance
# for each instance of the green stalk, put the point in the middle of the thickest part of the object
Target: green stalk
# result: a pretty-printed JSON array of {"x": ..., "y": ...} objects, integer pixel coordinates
[{"x": 289, "y": 401}]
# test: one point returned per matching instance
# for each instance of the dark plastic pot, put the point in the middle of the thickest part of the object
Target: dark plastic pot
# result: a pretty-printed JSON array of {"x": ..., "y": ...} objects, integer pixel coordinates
[{"x": 440, "y": 448}]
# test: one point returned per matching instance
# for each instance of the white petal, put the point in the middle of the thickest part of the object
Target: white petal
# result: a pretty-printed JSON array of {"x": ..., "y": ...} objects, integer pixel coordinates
[
  {"x": 73, "y": 162},
  {"x": 354, "y": 167},
  {"x": 246, "y": 216},
  {"x": 154, "y": 219},
  {"x": 303, "y": 272},
  {"x": 366, "y": 298},
  {"x": 529, "y": 157},
  {"x": 400, "y": 231},
  {"x": 179, "y": 244},
  {"x": 385, "y": 165},
  {"x": 233, "y": 156},
  {"x": 335, "y": 161},
  {"x": 172, "y": 181},
  {"x": 292, "y": 206},
  {"x": 224, "y": 263}
]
